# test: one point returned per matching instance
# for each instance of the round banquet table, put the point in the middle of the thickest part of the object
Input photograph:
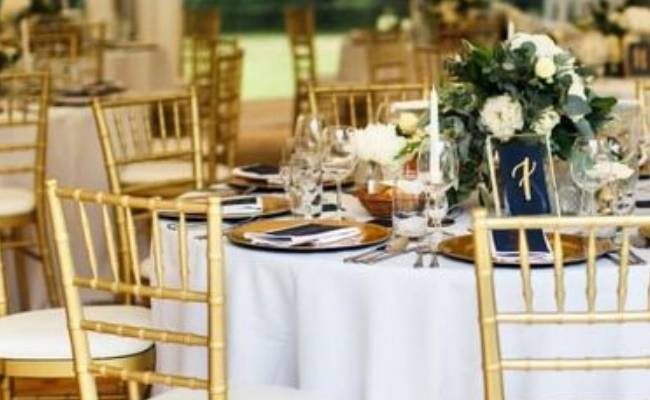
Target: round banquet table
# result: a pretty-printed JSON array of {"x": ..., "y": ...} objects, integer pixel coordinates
[{"x": 388, "y": 331}]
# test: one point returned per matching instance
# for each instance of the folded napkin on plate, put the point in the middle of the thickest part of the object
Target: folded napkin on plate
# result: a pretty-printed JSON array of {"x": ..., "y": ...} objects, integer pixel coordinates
[
  {"x": 258, "y": 172},
  {"x": 234, "y": 205},
  {"x": 311, "y": 233},
  {"x": 242, "y": 205},
  {"x": 505, "y": 247}
]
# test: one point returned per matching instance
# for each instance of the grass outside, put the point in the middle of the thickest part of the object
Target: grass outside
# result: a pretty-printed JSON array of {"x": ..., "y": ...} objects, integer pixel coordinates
[{"x": 268, "y": 71}]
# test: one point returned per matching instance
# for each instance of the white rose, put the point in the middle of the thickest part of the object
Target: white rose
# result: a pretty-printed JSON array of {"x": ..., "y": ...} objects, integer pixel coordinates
[
  {"x": 407, "y": 123},
  {"x": 502, "y": 116},
  {"x": 544, "y": 45},
  {"x": 378, "y": 143},
  {"x": 545, "y": 122},
  {"x": 387, "y": 22},
  {"x": 9, "y": 9},
  {"x": 545, "y": 68}
]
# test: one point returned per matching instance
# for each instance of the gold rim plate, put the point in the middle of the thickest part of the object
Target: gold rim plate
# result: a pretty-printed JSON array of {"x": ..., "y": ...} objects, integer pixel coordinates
[
  {"x": 573, "y": 247},
  {"x": 273, "y": 206},
  {"x": 644, "y": 231},
  {"x": 371, "y": 235}
]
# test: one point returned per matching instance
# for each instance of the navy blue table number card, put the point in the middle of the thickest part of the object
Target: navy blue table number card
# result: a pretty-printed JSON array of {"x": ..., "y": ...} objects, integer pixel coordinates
[{"x": 522, "y": 175}]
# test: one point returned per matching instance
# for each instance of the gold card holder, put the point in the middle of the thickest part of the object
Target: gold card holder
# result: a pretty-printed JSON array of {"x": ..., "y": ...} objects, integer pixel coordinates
[{"x": 529, "y": 186}]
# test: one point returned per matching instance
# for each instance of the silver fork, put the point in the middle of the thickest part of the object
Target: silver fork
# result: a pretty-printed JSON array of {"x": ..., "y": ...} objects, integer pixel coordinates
[
  {"x": 434, "y": 260},
  {"x": 419, "y": 261}
]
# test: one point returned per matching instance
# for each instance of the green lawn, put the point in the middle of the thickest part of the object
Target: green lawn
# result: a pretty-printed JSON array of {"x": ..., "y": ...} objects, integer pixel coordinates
[{"x": 267, "y": 65}]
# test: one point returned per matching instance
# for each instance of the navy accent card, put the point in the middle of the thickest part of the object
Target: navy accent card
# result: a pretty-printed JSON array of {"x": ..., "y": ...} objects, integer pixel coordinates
[
  {"x": 523, "y": 181},
  {"x": 521, "y": 198}
]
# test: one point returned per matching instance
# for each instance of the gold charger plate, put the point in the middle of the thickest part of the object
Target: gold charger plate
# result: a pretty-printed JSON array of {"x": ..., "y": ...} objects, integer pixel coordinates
[
  {"x": 644, "y": 231},
  {"x": 272, "y": 206},
  {"x": 371, "y": 235},
  {"x": 573, "y": 247}
]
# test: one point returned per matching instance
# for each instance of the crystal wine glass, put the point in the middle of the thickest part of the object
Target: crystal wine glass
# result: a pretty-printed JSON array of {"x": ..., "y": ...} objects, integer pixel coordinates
[
  {"x": 340, "y": 158},
  {"x": 590, "y": 168},
  {"x": 309, "y": 138}
]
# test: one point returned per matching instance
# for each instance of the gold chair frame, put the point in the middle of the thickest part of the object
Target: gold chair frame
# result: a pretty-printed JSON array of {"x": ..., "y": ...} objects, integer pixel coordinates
[
  {"x": 341, "y": 105},
  {"x": 228, "y": 64},
  {"x": 491, "y": 318},
  {"x": 387, "y": 61},
  {"x": 85, "y": 366},
  {"x": 300, "y": 25},
  {"x": 29, "y": 111},
  {"x": 71, "y": 42},
  {"x": 134, "y": 140}
]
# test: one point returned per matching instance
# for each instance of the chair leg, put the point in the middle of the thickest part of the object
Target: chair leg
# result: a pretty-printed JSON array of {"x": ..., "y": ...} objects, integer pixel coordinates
[
  {"x": 21, "y": 271},
  {"x": 46, "y": 259},
  {"x": 133, "y": 389},
  {"x": 5, "y": 387}
]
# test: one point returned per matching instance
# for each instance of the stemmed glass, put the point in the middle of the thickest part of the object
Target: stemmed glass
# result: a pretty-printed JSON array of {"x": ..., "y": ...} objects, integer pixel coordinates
[
  {"x": 437, "y": 166},
  {"x": 589, "y": 166},
  {"x": 340, "y": 159},
  {"x": 309, "y": 138}
]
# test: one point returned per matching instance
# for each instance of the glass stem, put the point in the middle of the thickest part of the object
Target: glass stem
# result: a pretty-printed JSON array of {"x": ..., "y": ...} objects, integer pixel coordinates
[{"x": 339, "y": 201}]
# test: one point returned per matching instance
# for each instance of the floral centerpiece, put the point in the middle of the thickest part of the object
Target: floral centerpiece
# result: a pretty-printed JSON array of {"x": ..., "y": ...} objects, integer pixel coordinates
[{"x": 525, "y": 85}]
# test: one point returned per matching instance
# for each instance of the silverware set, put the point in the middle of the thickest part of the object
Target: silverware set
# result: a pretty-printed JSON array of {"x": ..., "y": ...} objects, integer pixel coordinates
[{"x": 634, "y": 258}]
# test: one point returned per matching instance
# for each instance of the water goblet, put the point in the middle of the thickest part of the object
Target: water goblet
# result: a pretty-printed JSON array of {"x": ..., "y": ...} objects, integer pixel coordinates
[
  {"x": 590, "y": 168},
  {"x": 340, "y": 159}
]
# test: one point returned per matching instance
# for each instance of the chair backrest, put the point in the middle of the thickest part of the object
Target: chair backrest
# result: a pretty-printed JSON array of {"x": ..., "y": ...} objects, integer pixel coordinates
[
  {"x": 93, "y": 278},
  {"x": 202, "y": 22},
  {"x": 201, "y": 29},
  {"x": 299, "y": 23},
  {"x": 358, "y": 105},
  {"x": 387, "y": 61},
  {"x": 228, "y": 64},
  {"x": 637, "y": 59},
  {"x": 198, "y": 53},
  {"x": 493, "y": 317},
  {"x": 24, "y": 104},
  {"x": 158, "y": 128},
  {"x": 430, "y": 64}
]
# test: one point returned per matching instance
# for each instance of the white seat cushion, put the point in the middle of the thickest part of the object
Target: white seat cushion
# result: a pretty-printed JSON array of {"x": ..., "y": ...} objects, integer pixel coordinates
[
  {"x": 252, "y": 393},
  {"x": 14, "y": 201},
  {"x": 43, "y": 334},
  {"x": 159, "y": 171}
]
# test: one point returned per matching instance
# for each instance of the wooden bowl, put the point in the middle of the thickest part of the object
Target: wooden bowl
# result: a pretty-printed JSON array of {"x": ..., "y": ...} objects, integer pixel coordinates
[{"x": 379, "y": 205}]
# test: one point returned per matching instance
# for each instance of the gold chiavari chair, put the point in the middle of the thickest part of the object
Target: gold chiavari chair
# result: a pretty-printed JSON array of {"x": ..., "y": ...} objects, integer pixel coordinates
[
  {"x": 493, "y": 319},
  {"x": 36, "y": 345},
  {"x": 387, "y": 61},
  {"x": 300, "y": 26},
  {"x": 202, "y": 27},
  {"x": 358, "y": 106},
  {"x": 223, "y": 115},
  {"x": 151, "y": 145},
  {"x": 24, "y": 109},
  {"x": 80, "y": 322},
  {"x": 88, "y": 45}
]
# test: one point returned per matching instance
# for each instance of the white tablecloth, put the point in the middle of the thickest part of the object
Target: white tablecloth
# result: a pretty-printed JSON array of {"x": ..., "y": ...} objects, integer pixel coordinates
[{"x": 387, "y": 331}]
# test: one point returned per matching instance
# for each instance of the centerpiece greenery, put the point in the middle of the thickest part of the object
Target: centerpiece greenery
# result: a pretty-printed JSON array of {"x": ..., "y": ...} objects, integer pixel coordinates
[{"x": 524, "y": 85}]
